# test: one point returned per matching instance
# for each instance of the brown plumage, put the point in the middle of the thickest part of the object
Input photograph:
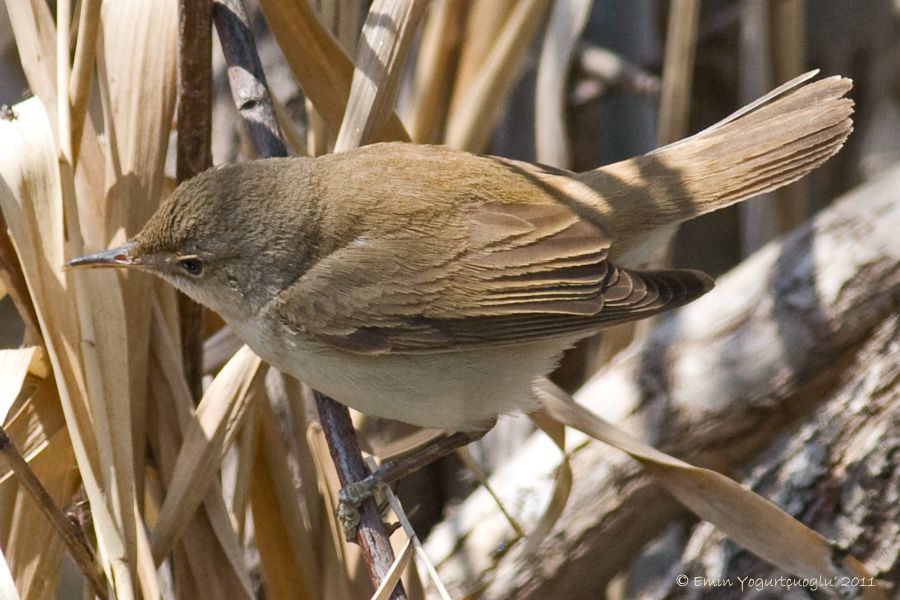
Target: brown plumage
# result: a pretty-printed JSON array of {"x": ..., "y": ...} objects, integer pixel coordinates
[{"x": 433, "y": 286}]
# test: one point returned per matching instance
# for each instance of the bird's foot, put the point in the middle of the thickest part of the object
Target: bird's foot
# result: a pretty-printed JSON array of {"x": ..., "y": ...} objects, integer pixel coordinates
[{"x": 352, "y": 495}]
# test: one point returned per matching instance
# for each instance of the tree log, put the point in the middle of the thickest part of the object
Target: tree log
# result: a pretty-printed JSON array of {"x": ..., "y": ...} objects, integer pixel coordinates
[
  {"x": 713, "y": 384},
  {"x": 838, "y": 473}
]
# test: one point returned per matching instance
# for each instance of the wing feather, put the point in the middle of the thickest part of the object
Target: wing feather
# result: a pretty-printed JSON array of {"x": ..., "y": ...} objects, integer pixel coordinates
[{"x": 518, "y": 273}]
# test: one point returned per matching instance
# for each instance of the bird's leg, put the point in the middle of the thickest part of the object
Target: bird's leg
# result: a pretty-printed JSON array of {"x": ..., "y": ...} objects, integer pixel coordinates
[{"x": 354, "y": 494}]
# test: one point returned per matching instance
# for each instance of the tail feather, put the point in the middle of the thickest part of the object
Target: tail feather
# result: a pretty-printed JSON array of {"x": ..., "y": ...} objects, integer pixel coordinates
[{"x": 779, "y": 140}]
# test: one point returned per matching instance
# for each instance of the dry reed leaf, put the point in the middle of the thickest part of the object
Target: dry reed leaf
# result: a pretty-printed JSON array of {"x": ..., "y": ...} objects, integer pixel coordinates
[
  {"x": 562, "y": 481},
  {"x": 485, "y": 22},
  {"x": 343, "y": 565},
  {"x": 82, "y": 69},
  {"x": 292, "y": 138},
  {"x": 318, "y": 62},
  {"x": 33, "y": 28},
  {"x": 13, "y": 369},
  {"x": 422, "y": 556},
  {"x": 678, "y": 71},
  {"x": 207, "y": 437},
  {"x": 138, "y": 64},
  {"x": 34, "y": 548},
  {"x": 210, "y": 548},
  {"x": 37, "y": 424},
  {"x": 748, "y": 519},
  {"x": 137, "y": 68},
  {"x": 298, "y": 397},
  {"x": 7, "y": 585},
  {"x": 386, "y": 587},
  {"x": 383, "y": 47},
  {"x": 246, "y": 460},
  {"x": 567, "y": 21},
  {"x": 434, "y": 69},
  {"x": 473, "y": 118},
  {"x": 291, "y": 566},
  {"x": 31, "y": 200}
]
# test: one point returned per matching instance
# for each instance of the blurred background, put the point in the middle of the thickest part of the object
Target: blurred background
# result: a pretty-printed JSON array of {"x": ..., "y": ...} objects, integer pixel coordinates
[{"x": 619, "y": 96}]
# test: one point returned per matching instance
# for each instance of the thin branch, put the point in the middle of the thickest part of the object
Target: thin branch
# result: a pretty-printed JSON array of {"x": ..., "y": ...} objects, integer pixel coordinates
[
  {"x": 245, "y": 75},
  {"x": 193, "y": 152},
  {"x": 251, "y": 96},
  {"x": 72, "y": 537},
  {"x": 372, "y": 534}
]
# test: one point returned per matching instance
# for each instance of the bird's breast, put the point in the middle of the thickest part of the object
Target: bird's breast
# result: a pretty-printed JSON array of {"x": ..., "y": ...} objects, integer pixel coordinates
[{"x": 457, "y": 391}]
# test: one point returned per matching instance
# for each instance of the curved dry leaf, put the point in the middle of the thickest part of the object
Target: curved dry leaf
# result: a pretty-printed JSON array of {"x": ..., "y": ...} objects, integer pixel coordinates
[
  {"x": 386, "y": 588},
  {"x": 562, "y": 481},
  {"x": 34, "y": 30},
  {"x": 7, "y": 585},
  {"x": 474, "y": 116},
  {"x": 433, "y": 81},
  {"x": 421, "y": 555},
  {"x": 211, "y": 431},
  {"x": 383, "y": 47},
  {"x": 292, "y": 563},
  {"x": 209, "y": 546},
  {"x": 31, "y": 200},
  {"x": 567, "y": 21},
  {"x": 748, "y": 519},
  {"x": 37, "y": 424},
  {"x": 318, "y": 62},
  {"x": 13, "y": 369},
  {"x": 678, "y": 71}
]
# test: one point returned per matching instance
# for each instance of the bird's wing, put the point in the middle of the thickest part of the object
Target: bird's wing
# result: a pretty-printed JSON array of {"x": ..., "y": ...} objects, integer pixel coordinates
[{"x": 516, "y": 273}]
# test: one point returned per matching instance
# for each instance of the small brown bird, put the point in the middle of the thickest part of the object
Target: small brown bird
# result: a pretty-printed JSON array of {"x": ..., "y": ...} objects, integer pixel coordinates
[{"x": 433, "y": 286}]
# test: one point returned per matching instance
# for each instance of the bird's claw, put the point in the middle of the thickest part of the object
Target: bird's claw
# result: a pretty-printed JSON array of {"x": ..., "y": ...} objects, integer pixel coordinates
[{"x": 349, "y": 499}]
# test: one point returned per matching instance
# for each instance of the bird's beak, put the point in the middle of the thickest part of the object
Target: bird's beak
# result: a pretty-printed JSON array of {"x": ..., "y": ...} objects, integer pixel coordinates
[{"x": 123, "y": 256}]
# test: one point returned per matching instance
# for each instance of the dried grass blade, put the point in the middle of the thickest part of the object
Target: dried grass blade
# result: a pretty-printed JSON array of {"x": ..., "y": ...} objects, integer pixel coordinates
[
  {"x": 438, "y": 56},
  {"x": 474, "y": 116},
  {"x": 383, "y": 47},
  {"x": 13, "y": 281},
  {"x": 217, "y": 421},
  {"x": 750, "y": 520},
  {"x": 424, "y": 561},
  {"x": 38, "y": 496},
  {"x": 318, "y": 62},
  {"x": 483, "y": 26},
  {"x": 291, "y": 569},
  {"x": 31, "y": 200},
  {"x": 678, "y": 71},
  {"x": 37, "y": 424},
  {"x": 562, "y": 481},
  {"x": 34, "y": 547},
  {"x": 343, "y": 563},
  {"x": 14, "y": 366},
  {"x": 567, "y": 21},
  {"x": 33, "y": 28},
  {"x": 386, "y": 588},
  {"x": 210, "y": 554},
  {"x": 7, "y": 585},
  {"x": 82, "y": 68},
  {"x": 137, "y": 66}
]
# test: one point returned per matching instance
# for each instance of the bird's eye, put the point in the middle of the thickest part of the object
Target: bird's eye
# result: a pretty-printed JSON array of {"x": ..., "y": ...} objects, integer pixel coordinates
[{"x": 193, "y": 266}]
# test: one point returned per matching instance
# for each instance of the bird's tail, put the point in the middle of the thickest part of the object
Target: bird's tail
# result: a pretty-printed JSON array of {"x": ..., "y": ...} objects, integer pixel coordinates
[{"x": 765, "y": 145}]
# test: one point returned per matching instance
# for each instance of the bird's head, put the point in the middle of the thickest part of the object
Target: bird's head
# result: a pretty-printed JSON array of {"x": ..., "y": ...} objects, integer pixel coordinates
[{"x": 230, "y": 238}]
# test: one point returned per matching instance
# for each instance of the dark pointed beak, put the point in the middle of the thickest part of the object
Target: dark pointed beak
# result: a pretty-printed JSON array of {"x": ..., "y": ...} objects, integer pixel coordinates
[{"x": 122, "y": 257}]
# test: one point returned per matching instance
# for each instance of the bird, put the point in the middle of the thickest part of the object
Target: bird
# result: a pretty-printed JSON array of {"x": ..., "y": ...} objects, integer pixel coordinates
[{"x": 433, "y": 286}]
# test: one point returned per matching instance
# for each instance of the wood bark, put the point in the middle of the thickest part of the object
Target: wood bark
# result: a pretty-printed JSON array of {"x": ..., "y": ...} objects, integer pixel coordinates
[
  {"x": 714, "y": 384},
  {"x": 838, "y": 472}
]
